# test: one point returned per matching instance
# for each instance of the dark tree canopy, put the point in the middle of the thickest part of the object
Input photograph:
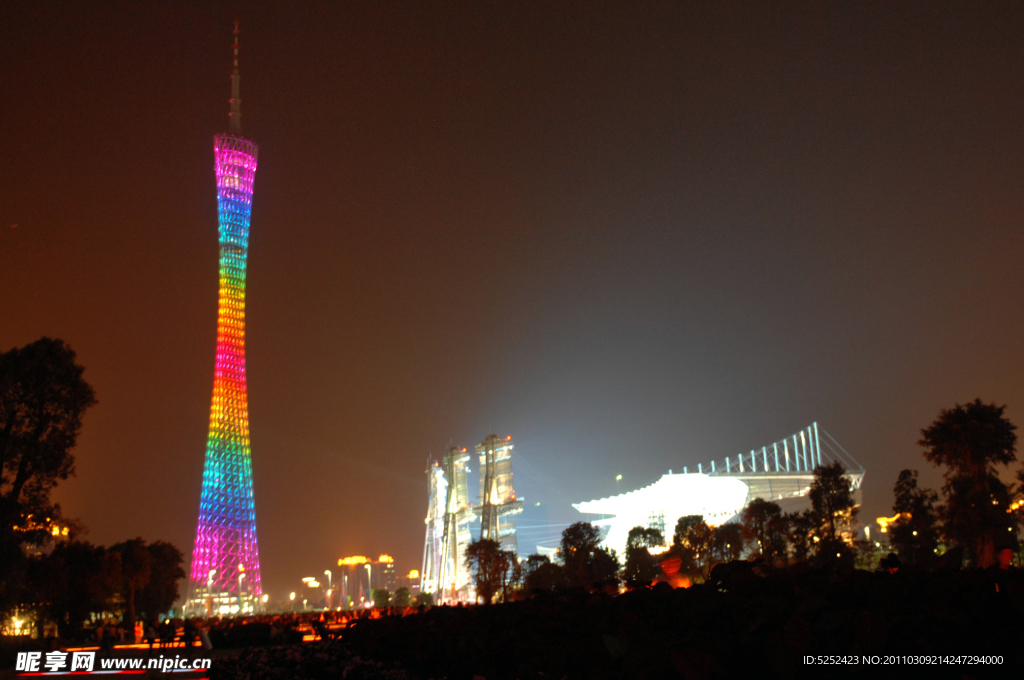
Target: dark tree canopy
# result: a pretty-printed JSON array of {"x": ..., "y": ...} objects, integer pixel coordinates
[
  {"x": 640, "y": 565},
  {"x": 72, "y": 582},
  {"x": 585, "y": 562},
  {"x": 764, "y": 528},
  {"x": 42, "y": 400},
  {"x": 494, "y": 570},
  {"x": 833, "y": 503},
  {"x": 78, "y": 579},
  {"x": 160, "y": 593},
  {"x": 727, "y": 542},
  {"x": 136, "y": 569},
  {"x": 915, "y": 535},
  {"x": 381, "y": 597},
  {"x": 692, "y": 542},
  {"x": 972, "y": 441},
  {"x": 542, "y": 574},
  {"x": 800, "y": 532},
  {"x": 423, "y": 600},
  {"x": 403, "y": 597}
]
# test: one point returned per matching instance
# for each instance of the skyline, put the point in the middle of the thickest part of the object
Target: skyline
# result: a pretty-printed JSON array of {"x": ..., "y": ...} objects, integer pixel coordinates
[{"x": 633, "y": 240}]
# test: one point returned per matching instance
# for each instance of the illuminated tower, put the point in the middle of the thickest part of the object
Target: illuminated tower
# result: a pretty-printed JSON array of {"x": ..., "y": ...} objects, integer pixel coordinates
[
  {"x": 445, "y": 571},
  {"x": 497, "y": 497},
  {"x": 225, "y": 560}
]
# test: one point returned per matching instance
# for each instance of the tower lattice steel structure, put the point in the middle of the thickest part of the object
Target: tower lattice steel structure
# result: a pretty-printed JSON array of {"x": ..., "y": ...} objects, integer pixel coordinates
[{"x": 225, "y": 559}]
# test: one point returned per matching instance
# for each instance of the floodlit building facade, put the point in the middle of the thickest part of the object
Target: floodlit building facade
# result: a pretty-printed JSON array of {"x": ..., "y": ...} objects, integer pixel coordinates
[
  {"x": 498, "y": 503},
  {"x": 781, "y": 472},
  {"x": 445, "y": 571}
]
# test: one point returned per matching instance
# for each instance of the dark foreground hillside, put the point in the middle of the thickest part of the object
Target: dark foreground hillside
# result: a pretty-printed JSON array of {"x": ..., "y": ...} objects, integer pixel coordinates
[{"x": 749, "y": 625}]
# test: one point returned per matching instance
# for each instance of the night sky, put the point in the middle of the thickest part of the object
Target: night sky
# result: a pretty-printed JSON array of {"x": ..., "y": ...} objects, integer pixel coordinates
[{"x": 634, "y": 236}]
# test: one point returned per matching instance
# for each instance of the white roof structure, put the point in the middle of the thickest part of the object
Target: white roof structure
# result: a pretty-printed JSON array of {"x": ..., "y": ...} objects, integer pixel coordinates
[
  {"x": 779, "y": 472},
  {"x": 673, "y": 496}
]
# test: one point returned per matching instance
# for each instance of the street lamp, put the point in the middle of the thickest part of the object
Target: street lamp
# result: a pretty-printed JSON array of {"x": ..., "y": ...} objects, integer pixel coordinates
[{"x": 369, "y": 582}]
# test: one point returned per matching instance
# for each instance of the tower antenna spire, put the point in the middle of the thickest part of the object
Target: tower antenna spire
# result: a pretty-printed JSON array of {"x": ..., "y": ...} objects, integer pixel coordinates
[{"x": 235, "y": 117}]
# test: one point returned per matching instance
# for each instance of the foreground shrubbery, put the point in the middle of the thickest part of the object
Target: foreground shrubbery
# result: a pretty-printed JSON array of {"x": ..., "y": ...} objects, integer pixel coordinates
[{"x": 743, "y": 623}]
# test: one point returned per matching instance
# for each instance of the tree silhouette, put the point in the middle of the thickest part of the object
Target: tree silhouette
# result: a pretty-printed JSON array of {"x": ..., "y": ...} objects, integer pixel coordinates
[
  {"x": 915, "y": 534},
  {"x": 541, "y": 574},
  {"x": 136, "y": 569},
  {"x": 403, "y": 597},
  {"x": 585, "y": 562},
  {"x": 42, "y": 400},
  {"x": 74, "y": 581},
  {"x": 834, "y": 508},
  {"x": 972, "y": 441},
  {"x": 692, "y": 543},
  {"x": 381, "y": 597},
  {"x": 800, "y": 532},
  {"x": 640, "y": 564},
  {"x": 494, "y": 569},
  {"x": 727, "y": 542},
  {"x": 764, "y": 528},
  {"x": 160, "y": 592}
]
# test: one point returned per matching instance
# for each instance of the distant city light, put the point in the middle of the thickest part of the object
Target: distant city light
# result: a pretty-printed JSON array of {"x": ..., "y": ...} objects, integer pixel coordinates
[{"x": 884, "y": 522}]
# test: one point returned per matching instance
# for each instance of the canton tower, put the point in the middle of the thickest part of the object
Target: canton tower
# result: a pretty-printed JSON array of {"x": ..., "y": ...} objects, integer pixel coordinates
[{"x": 225, "y": 560}]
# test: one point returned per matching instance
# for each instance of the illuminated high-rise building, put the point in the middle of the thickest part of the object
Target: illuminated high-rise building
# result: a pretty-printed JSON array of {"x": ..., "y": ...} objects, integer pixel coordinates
[
  {"x": 225, "y": 575},
  {"x": 445, "y": 571},
  {"x": 498, "y": 502}
]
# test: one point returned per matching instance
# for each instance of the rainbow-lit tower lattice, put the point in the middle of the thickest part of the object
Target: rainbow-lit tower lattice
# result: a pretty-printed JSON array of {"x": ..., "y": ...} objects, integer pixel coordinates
[{"x": 225, "y": 561}]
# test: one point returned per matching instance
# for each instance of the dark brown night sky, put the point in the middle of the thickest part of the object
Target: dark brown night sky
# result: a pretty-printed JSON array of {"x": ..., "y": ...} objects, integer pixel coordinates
[{"x": 634, "y": 236}]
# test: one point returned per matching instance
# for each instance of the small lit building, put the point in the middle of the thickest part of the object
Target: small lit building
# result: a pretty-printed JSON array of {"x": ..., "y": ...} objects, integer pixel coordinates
[{"x": 358, "y": 576}]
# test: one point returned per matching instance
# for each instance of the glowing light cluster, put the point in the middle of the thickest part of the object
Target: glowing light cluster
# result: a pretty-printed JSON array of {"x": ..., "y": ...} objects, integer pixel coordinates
[
  {"x": 226, "y": 557},
  {"x": 884, "y": 522}
]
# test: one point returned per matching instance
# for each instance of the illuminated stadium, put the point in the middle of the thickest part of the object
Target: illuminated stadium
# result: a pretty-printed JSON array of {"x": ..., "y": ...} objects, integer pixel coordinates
[{"x": 781, "y": 472}]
